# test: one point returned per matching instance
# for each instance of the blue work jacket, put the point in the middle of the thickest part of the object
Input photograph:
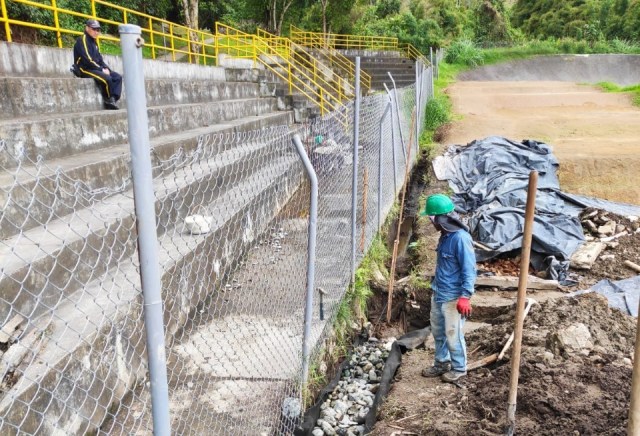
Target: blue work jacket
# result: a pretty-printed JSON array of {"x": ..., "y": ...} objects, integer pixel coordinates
[{"x": 455, "y": 268}]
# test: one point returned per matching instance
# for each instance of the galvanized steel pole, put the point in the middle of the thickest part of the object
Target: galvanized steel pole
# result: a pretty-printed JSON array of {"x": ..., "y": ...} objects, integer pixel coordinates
[
  {"x": 418, "y": 93},
  {"x": 393, "y": 145},
  {"x": 433, "y": 70},
  {"x": 384, "y": 114},
  {"x": 311, "y": 255},
  {"x": 395, "y": 95},
  {"x": 144, "y": 199},
  {"x": 354, "y": 184}
]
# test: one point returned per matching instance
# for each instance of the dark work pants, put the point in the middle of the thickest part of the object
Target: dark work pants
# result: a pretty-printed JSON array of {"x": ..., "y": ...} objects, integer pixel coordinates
[{"x": 110, "y": 84}]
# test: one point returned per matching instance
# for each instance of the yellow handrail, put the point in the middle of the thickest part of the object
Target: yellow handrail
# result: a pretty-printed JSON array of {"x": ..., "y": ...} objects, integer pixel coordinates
[
  {"x": 162, "y": 36},
  {"x": 335, "y": 58},
  {"x": 239, "y": 44},
  {"x": 415, "y": 54},
  {"x": 334, "y": 40},
  {"x": 304, "y": 60}
]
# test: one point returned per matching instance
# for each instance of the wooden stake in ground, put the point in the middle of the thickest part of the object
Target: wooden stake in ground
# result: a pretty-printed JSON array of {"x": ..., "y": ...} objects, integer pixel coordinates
[
  {"x": 633, "y": 427},
  {"x": 396, "y": 242},
  {"x": 364, "y": 207},
  {"x": 522, "y": 293}
]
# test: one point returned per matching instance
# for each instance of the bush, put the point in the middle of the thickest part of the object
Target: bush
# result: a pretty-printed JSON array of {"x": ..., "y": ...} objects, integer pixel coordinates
[
  {"x": 464, "y": 52},
  {"x": 437, "y": 113}
]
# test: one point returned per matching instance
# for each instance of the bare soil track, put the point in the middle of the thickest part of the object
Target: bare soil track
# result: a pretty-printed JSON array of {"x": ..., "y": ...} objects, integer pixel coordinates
[
  {"x": 594, "y": 134},
  {"x": 562, "y": 390}
]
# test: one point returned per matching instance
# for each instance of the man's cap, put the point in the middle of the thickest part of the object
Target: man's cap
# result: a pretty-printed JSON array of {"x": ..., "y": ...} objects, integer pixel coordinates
[{"x": 94, "y": 24}]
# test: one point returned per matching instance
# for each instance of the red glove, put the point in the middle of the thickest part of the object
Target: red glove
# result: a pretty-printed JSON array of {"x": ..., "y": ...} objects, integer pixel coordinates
[{"x": 464, "y": 306}]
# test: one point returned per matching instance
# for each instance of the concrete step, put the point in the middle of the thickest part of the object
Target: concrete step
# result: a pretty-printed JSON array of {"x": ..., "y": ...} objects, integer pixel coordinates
[
  {"x": 38, "y": 262},
  {"x": 31, "y": 95},
  {"x": 384, "y": 61},
  {"x": 105, "y": 335},
  {"x": 56, "y": 136},
  {"x": 41, "y": 193}
]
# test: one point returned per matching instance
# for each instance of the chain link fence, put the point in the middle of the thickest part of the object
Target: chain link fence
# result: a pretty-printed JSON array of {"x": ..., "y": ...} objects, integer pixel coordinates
[{"x": 232, "y": 214}]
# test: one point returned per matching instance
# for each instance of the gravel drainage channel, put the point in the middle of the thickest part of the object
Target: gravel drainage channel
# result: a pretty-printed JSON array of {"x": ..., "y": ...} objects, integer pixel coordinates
[{"x": 348, "y": 405}]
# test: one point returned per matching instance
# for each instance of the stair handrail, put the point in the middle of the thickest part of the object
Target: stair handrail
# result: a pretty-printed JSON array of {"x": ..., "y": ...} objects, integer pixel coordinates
[
  {"x": 259, "y": 50},
  {"x": 415, "y": 54},
  {"x": 337, "y": 59},
  {"x": 313, "y": 66},
  {"x": 161, "y": 36}
]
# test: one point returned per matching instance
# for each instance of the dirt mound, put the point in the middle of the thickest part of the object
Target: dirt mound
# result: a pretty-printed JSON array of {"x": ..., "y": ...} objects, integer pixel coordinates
[
  {"x": 575, "y": 377},
  {"x": 568, "y": 382}
]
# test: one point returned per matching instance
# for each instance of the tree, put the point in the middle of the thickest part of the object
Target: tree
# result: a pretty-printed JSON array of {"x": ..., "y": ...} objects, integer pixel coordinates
[{"x": 190, "y": 10}]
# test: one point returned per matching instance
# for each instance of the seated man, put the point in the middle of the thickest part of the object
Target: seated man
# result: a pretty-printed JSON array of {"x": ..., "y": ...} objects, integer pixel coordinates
[{"x": 89, "y": 62}]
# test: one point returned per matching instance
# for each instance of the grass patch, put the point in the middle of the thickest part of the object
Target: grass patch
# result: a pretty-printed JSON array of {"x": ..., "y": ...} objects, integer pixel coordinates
[
  {"x": 633, "y": 90},
  {"x": 438, "y": 110}
]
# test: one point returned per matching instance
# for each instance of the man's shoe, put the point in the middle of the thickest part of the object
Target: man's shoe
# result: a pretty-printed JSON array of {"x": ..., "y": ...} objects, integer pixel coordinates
[
  {"x": 436, "y": 370},
  {"x": 110, "y": 103},
  {"x": 453, "y": 376}
]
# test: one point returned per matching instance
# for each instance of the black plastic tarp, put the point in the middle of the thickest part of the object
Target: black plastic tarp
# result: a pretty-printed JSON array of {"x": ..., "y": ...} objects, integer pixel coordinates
[{"x": 489, "y": 178}]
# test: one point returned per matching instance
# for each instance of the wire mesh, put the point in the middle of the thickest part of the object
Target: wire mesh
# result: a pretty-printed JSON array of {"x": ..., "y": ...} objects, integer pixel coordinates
[{"x": 232, "y": 222}]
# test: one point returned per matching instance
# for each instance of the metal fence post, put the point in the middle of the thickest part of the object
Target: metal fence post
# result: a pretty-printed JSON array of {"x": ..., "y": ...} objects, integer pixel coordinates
[
  {"x": 433, "y": 71},
  {"x": 384, "y": 114},
  {"x": 393, "y": 145},
  {"x": 144, "y": 199},
  {"x": 418, "y": 108},
  {"x": 395, "y": 95},
  {"x": 311, "y": 255},
  {"x": 354, "y": 184}
]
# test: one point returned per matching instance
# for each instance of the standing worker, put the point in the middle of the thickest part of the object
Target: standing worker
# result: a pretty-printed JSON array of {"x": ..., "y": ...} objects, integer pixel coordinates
[
  {"x": 452, "y": 287},
  {"x": 88, "y": 62}
]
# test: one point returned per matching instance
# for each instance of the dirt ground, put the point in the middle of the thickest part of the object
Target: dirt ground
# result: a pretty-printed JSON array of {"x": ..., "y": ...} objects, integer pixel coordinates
[
  {"x": 594, "y": 134},
  {"x": 563, "y": 389}
]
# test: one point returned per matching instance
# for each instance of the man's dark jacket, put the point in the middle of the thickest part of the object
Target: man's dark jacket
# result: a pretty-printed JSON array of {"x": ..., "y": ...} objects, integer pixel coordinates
[{"x": 86, "y": 54}]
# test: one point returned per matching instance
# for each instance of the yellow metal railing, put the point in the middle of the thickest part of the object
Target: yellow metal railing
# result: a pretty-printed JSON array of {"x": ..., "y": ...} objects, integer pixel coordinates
[
  {"x": 415, "y": 54},
  {"x": 333, "y": 41},
  {"x": 236, "y": 43},
  {"x": 335, "y": 59},
  {"x": 162, "y": 38},
  {"x": 336, "y": 41},
  {"x": 321, "y": 75}
]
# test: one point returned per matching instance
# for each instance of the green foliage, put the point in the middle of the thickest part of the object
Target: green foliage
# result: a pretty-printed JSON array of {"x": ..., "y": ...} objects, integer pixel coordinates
[
  {"x": 465, "y": 52},
  {"x": 591, "y": 20},
  {"x": 385, "y": 8},
  {"x": 353, "y": 305},
  {"x": 424, "y": 23},
  {"x": 438, "y": 112},
  {"x": 491, "y": 25},
  {"x": 315, "y": 382},
  {"x": 338, "y": 17},
  {"x": 417, "y": 280}
]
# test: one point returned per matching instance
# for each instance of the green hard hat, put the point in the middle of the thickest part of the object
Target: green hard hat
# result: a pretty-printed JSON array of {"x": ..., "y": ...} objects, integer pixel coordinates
[{"x": 438, "y": 204}]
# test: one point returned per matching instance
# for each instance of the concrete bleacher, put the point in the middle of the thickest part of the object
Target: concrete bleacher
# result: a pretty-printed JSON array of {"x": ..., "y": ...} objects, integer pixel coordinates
[
  {"x": 379, "y": 63},
  {"x": 49, "y": 235}
]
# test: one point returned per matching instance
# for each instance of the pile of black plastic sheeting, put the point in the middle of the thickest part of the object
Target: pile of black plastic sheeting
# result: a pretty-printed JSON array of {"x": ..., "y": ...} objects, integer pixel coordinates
[{"x": 489, "y": 178}]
